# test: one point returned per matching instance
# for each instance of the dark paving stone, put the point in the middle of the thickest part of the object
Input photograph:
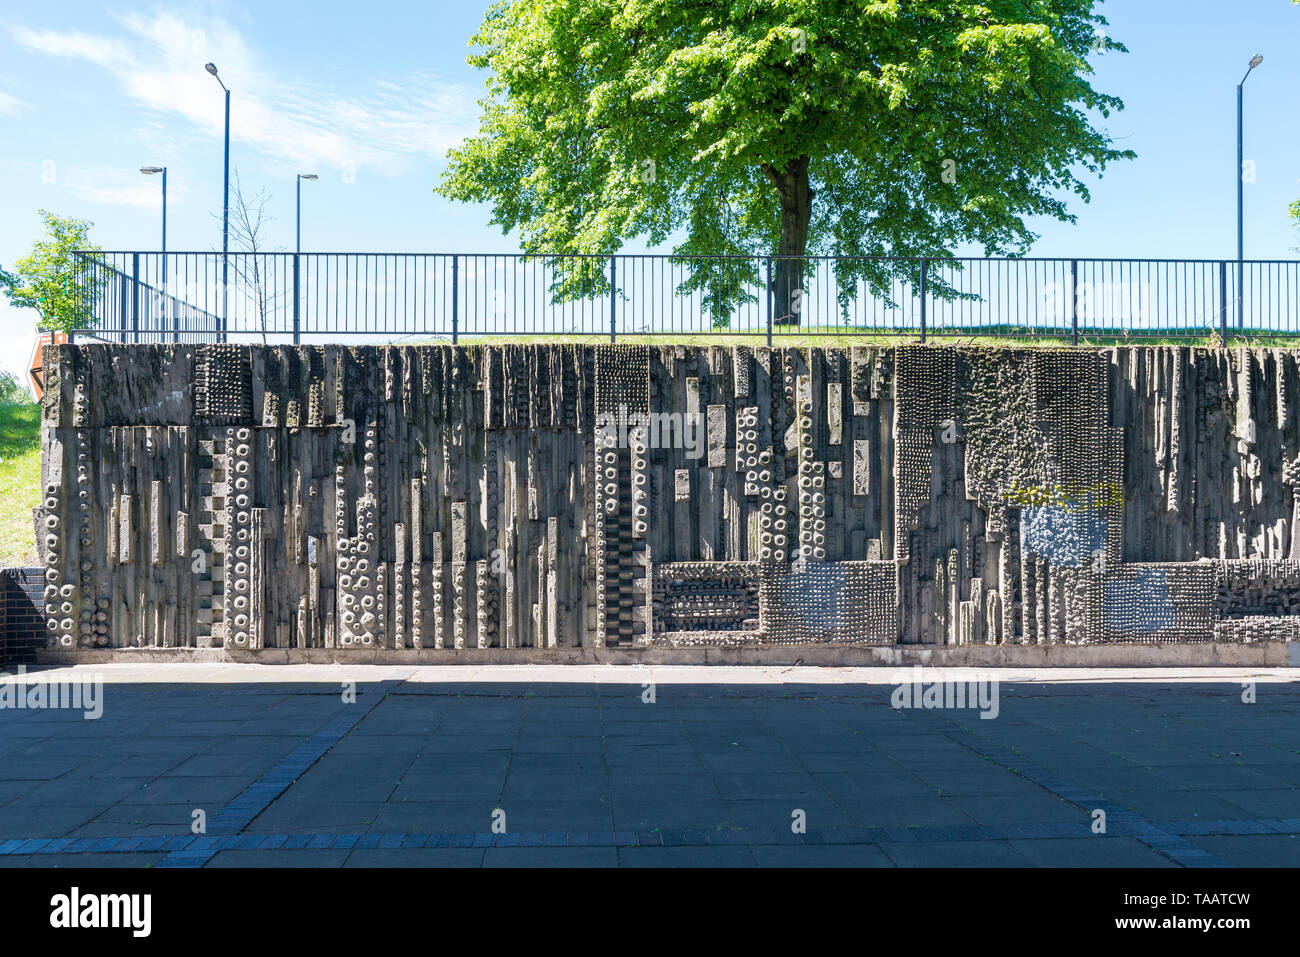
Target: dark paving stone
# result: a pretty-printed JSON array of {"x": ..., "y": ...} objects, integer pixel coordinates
[
  {"x": 449, "y": 762},
  {"x": 82, "y": 860},
  {"x": 306, "y": 815},
  {"x": 858, "y": 855},
  {"x": 550, "y": 857},
  {"x": 416, "y": 857},
  {"x": 920, "y": 810},
  {"x": 1273, "y": 802},
  {"x": 473, "y": 787},
  {"x": 955, "y": 854},
  {"x": 778, "y": 813},
  {"x": 1179, "y": 805},
  {"x": 1118, "y": 777},
  {"x": 233, "y": 765},
  {"x": 670, "y": 811},
  {"x": 54, "y": 821},
  {"x": 1090, "y": 852},
  {"x": 583, "y": 815},
  {"x": 40, "y": 767},
  {"x": 306, "y": 857},
  {"x": 547, "y": 785},
  {"x": 764, "y": 785},
  {"x": 1253, "y": 850},
  {"x": 421, "y": 817},
  {"x": 66, "y": 791},
  {"x": 685, "y": 857},
  {"x": 1219, "y": 776},
  {"x": 1024, "y": 808}
]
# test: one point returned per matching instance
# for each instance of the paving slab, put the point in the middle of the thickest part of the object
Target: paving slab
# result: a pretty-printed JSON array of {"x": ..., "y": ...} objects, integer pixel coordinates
[
  {"x": 845, "y": 855},
  {"x": 550, "y": 857},
  {"x": 686, "y": 857},
  {"x": 1090, "y": 852},
  {"x": 1254, "y": 850}
]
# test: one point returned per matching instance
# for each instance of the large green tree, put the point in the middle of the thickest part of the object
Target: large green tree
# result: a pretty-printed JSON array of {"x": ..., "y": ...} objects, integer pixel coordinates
[
  {"x": 787, "y": 128},
  {"x": 52, "y": 280}
]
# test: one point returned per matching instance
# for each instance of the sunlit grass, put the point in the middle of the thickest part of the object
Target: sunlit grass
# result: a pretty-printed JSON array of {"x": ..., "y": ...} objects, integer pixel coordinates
[
  {"x": 20, "y": 481},
  {"x": 840, "y": 339}
]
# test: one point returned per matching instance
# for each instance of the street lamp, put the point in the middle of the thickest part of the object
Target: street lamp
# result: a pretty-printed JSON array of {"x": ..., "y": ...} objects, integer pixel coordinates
[
  {"x": 225, "y": 209},
  {"x": 1255, "y": 61},
  {"x": 150, "y": 171},
  {"x": 302, "y": 176}
]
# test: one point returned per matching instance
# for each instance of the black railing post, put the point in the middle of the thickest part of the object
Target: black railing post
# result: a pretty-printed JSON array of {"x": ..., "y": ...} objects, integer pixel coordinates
[
  {"x": 297, "y": 315},
  {"x": 81, "y": 308},
  {"x": 1223, "y": 302},
  {"x": 923, "y": 315},
  {"x": 120, "y": 318},
  {"x": 224, "y": 323},
  {"x": 769, "y": 302},
  {"x": 135, "y": 297},
  {"x": 1241, "y": 295},
  {"x": 1074, "y": 302},
  {"x": 455, "y": 299},
  {"x": 613, "y": 296},
  {"x": 174, "y": 304}
]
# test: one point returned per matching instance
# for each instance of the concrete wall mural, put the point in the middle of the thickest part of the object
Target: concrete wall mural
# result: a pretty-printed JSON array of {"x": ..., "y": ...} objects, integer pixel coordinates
[{"x": 627, "y": 496}]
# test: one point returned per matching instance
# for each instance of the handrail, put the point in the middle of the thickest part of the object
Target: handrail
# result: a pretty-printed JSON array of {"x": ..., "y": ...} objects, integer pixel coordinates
[{"x": 140, "y": 296}]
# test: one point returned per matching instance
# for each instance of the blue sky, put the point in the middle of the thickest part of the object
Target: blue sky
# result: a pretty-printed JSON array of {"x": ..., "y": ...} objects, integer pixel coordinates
[{"x": 90, "y": 91}]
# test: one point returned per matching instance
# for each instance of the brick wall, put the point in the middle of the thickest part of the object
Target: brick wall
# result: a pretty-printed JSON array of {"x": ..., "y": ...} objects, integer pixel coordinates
[{"x": 22, "y": 614}]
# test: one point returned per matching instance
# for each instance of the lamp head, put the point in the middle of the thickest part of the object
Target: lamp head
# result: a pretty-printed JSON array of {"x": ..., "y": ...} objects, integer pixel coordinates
[
  {"x": 211, "y": 68},
  {"x": 1256, "y": 60},
  {"x": 150, "y": 170},
  {"x": 308, "y": 176}
]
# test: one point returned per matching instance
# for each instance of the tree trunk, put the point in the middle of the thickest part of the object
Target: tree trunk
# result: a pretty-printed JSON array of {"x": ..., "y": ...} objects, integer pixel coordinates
[{"x": 788, "y": 294}]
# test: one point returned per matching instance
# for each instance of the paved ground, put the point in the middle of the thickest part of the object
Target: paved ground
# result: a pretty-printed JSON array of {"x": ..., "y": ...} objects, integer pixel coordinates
[{"x": 713, "y": 771}]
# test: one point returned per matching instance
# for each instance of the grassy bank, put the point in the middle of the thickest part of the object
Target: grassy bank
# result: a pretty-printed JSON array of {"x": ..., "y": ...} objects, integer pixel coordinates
[{"x": 20, "y": 481}]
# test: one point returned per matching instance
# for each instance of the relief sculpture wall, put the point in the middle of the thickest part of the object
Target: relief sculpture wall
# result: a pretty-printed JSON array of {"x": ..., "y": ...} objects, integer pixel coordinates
[{"x": 624, "y": 496}]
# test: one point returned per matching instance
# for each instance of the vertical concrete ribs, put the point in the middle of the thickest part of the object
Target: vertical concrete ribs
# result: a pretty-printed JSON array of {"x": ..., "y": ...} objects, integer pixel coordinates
[{"x": 564, "y": 496}]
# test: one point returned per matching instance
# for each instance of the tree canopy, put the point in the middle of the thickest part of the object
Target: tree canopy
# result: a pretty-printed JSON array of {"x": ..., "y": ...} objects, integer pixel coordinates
[
  {"x": 789, "y": 128},
  {"x": 47, "y": 279}
]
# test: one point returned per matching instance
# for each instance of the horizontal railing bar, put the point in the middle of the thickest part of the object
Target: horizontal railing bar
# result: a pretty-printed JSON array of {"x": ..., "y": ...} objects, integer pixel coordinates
[{"x": 670, "y": 257}]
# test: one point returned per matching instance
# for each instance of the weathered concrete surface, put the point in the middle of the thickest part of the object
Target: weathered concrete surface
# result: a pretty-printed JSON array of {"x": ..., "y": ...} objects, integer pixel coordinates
[
  {"x": 704, "y": 504},
  {"x": 1265, "y": 654}
]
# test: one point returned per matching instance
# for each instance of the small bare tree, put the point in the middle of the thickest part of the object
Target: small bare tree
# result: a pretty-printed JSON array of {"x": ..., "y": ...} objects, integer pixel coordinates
[{"x": 248, "y": 221}]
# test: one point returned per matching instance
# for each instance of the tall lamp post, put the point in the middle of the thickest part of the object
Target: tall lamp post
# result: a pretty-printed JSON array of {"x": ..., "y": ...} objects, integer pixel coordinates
[
  {"x": 150, "y": 171},
  {"x": 1255, "y": 61},
  {"x": 225, "y": 211},
  {"x": 302, "y": 176}
]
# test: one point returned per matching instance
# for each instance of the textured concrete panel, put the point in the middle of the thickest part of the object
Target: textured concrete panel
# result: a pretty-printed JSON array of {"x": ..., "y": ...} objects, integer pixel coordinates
[{"x": 389, "y": 500}]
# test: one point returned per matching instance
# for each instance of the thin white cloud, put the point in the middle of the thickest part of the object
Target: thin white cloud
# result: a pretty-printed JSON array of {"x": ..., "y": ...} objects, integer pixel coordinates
[
  {"x": 9, "y": 105},
  {"x": 106, "y": 185},
  {"x": 83, "y": 46},
  {"x": 113, "y": 187},
  {"x": 388, "y": 125}
]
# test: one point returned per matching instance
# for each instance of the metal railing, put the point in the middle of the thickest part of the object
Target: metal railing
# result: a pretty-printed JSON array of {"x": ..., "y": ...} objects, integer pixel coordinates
[
  {"x": 113, "y": 297},
  {"x": 297, "y": 297}
]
